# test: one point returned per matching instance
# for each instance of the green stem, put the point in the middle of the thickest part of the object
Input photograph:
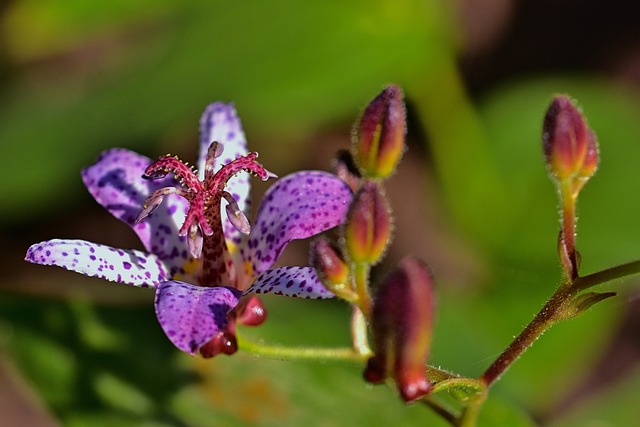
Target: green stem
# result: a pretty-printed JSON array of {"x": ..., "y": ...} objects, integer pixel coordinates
[
  {"x": 607, "y": 275},
  {"x": 469, "y": 417},
  {"x": 361, "y": 287},
  {"x": 456, "y": 382},
  {"x": 463, "y": 160},
  {"x": 568, "y": 199},
  {"x": 339, "y": 353},
  {"x": 301, "y": 353},
  {"x": 359, "y": 332}
]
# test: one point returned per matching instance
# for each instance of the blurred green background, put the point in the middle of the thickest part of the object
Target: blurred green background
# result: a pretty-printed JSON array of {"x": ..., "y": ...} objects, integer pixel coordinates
[{"x": 471, "y": 197}]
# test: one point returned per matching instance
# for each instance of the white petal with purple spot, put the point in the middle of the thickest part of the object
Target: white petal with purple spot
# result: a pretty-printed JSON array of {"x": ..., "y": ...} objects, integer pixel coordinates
[
  {"x": 299, "y": 282},
  {"x": 116, "y": 182},
  {"x": 297, "y": 206},
  {"x": 130, "y": 267},
  {"x": 220, "y": 123},
  {"x": 192, "y": 315}
]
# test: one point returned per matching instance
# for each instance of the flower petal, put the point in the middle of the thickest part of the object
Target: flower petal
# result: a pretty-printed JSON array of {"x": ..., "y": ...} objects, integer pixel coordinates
[
  {"x": 220, "y": 123},
  {"x": 130, "y": 267},
  {"x": 192, "y": 315},
  {"x": 292, "y": 282},
  {"x": 116, "y": 182},
  {"x": 297, "y": 206}
]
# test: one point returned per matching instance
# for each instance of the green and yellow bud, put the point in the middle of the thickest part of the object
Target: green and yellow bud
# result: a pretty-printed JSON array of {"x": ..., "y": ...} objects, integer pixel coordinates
[
  {"x": 368, "y": 228},
  {"x": 569, "y": 146},
  {"x": 332, "y": 270},
  {"x": 379, "y": 136}
]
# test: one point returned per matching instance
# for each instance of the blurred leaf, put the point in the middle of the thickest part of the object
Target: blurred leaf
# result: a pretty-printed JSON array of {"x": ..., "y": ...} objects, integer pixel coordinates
[
  {"x": 121, "y": 395},
  {"x": 275, "y": 393},
  {"x": 48, "y": 364},
  {"x": 92, "y": 331},
  {"x": 296, "y": 68},
  {"x": 36, "y": 28},
  {"x": 106, "y": 419},
  {"x": 80, "y": 380},
  {"x": 498, "y": 413},
  {"x": 617, "y": 407}
]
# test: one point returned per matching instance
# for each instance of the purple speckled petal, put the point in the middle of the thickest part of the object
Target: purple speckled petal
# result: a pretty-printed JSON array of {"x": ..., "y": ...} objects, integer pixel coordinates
[
  {"x": 192, "y": 315},
  {"x": 130, "y": 267},
  {"x": 292, "y": 282},
  {"x": 116, "y": 182},
  {"x": 220, "y": 123},
  {"x": 297, "y": 206}
]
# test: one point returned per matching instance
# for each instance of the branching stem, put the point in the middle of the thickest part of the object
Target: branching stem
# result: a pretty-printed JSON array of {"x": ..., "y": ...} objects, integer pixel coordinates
[{"x": 300, "y": 353}]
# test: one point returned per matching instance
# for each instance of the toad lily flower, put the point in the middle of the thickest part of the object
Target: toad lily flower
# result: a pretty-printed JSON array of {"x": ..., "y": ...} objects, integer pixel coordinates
[{"x": 202, "y": 259}]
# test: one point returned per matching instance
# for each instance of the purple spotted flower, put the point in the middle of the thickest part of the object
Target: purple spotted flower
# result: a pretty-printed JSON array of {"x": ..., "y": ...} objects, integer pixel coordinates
[{"x": 204, "y": 261}]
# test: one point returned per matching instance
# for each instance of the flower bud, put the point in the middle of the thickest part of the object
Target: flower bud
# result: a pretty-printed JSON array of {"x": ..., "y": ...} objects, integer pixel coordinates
[
  {"x": 402, "y": 321},
  {"x": 223, "y": 343},
  {"x": 379, "y": 137},
  {"x": 368, "y": 228},
  {"x": 328, "y": 262},
  {"x": 250, "y": 311},
  {"x": 569, "y": 146}
]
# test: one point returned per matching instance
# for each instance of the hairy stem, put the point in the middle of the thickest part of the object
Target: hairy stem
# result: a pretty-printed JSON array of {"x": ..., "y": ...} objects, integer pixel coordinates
[
  {"x": 549, "y": 315},
  {"x": 361, "y": 287},
  {"x": 300, "y": 353},
  {"x": 568, "y": 240},
  {"x": 607, "y": 275},
  {"x": 470, "y": 414}
]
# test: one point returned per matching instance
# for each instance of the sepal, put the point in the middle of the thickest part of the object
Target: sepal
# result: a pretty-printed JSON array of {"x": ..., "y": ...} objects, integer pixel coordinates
[
  {"x": 585, "y": 301},
  {"x": 331, "y": 268}
]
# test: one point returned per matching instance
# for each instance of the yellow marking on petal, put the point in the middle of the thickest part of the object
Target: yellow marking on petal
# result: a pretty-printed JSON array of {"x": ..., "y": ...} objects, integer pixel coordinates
[
  {"x": 189, "y": 268},
  {"x": 248, "y": 268},
  {"x": 231, "y": 247}
]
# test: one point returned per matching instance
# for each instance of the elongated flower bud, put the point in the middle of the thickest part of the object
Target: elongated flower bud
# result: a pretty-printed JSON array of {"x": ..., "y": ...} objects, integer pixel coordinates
[
  {"x": 326, "y": 259},
  {"x": 569, "y": 146},
  {"x": 368, "y": 229},
  {"x": 379, "y": 139},
  {"x": 250, "y": 311},
  {"x": 402, "y": 322}
]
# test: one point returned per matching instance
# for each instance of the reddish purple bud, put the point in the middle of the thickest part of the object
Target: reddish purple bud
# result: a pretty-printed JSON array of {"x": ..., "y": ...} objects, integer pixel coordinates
[
  {"x": 223, "y": 343},
  {"x": 332, "y": 270},
  {"x": 402, "y": 321},
  {"x": 569, "y": 146},
  {"x": 369, "y": 226},
  {"x": 250, "y": 311},
  {"x": 379, "y": 139}
]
